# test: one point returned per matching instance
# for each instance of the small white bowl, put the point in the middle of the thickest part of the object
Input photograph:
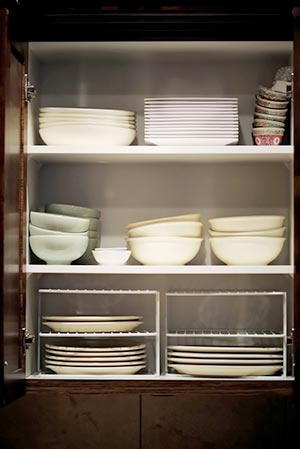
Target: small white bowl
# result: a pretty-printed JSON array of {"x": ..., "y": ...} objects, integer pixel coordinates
[
  {"x": 168, "y": 229},
  {"x": 247, "y": 250},
  {"x": 188, "y": 217},
  {"x": 63, "y": 223},
  {"x": 164, "y": 250},
  {"x": 246, "y": 223},
  {"x": 72, "y": 210},
  {"x": 58, "y": 249},
  {"x": 35, "y": 230},
  {"x": 111, "y": 256}
]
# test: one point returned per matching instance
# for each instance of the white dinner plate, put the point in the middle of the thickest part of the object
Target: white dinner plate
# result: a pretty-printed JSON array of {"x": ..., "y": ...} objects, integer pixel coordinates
[
  {"x": 182, "y": 360},
  {"x": 194, "y": 121},
  {"x": 117, "y": 326},
  {"x": 191, "y": 129},
  {"x": 190, "y": 134},
  {"x": 92, "y": 318},
  {"x": 90, "y": 355},
  {"x": 116, "y": 370},
  {"x": 223, "y": 355},
  {"x": 190, "y": 141},
  {"x": 97, "y": 346},
  {"x": 245, "y": 349},
  {"x": 86, "y": 111},
  {"x": 191, "y": 98},
  {"x": 226, "y": 371},
  {"x": 130, "y": 358},
  {"x": 95, "y": 364}
]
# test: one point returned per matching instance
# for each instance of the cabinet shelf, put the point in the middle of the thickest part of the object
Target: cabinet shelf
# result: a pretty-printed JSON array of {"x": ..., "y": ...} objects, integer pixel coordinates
[
  {"x": 97, "y": 334},
  {"x": 146, "y": 153},
  {"x": 231, "y": 333}
]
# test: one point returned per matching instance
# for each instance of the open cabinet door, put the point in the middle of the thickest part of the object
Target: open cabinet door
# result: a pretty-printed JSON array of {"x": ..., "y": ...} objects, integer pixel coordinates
[{"x": 12, "y": 184}]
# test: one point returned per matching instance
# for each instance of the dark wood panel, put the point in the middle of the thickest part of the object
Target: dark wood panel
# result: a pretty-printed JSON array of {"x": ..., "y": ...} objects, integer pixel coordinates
[
  {"x": 56, "y": 421},
  {"x": 197, "y": 422}
]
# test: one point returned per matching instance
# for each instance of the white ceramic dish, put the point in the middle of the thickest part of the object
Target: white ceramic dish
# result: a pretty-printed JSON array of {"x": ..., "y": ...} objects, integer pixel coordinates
[
  {"x": 132, "y": 358},
  {"x": 58, "y": 249},
  {"x": 279, "y": 232},
  {"x": 190, "y": 134},
  {"x": 35, "y": 230},
  {"x": 223, "y": 355},
  {"x": 88, "y": 355},
  {"x": 187, "y": 217},
  {"x": 191, "y": 107},
  {"x": 164, "y": 250},
  {"x": 192, "y": 121},
  {"x": 246, "y": 223},
  {"x": 213, "y": 361},
  {"x": 94, "y": 364},
  {"x": 89, "y": 122},
  {"x": 73, "y": 210},
  {"x": 87, "y": 135},
  {"x": 234, "y": 99},
  {"x": 191, "y": 141},
  {"x": 169, "y": 229},
  {"x": 221, "y": 349},
  {"x": 226, "y": 371},
  {"x": 117, "y": 370},
  {"x": 247, "y": 250},
  {"x": 111, "y": 257},
  {"x": 50, "y": 118},
  {"x": 118, "y": 326},
  {"x": 94, "y": 318},
  {"x": 55, "y": 222},
  {"x": 96, "y": 346},
  {"x": 80, "y": 111}
]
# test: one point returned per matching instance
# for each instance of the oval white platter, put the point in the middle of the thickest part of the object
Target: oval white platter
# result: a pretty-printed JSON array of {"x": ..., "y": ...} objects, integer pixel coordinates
[
  {"x": 117, "y": 370},
  {"x": 226, "y": 371}
]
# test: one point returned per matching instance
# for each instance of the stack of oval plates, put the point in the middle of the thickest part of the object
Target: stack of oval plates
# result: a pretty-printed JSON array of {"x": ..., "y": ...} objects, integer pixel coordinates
[
  {"x": 96, "y": 357},
  {"x": 93, "y": 323},
  {"x": 225, "y": 361}
]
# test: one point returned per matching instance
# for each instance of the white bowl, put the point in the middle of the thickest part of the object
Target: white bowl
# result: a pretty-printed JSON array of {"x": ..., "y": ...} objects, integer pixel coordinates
[
  {"x": 247, "y": 250},
  {"x": 87, "y": 135},
  {"x": 277, "y": 232},
  {"x": 164, "y": 250},
  {"x": 246, "y": 223},
  {"x": 58, "y": 249},
  {"x": 85, "y": 122},
  {"x": 169, "y": 229},
  {"x": 72, "y": 210},
  {"x": 63, "y": 223},
  {"x": 188, "y": 217},
  {"x": 83, "y": 111},
  {"x": 111, "y": 256},
  {"x": 35, "y": 230}
]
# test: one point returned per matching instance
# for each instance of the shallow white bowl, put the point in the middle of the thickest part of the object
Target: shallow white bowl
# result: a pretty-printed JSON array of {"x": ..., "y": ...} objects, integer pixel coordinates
[
  {"x": 164, "y": 250},
  {"x": 188, "y": 217},
  {"x": 87, "y": 135},
  {"x": 247, "y": 250},
  {"x": 277, "y": 232},
  {"x": 83, "y": 111},
  {"x": 246, "y": 223},
  {"x": 63, "y": 223},
  {"x": 111, "y": 256},
  {"x": 85, "y": 123},
  {"x": 35, "y": 230},
  {"x": 58, "y": 249},
  {"x": 169, "y": 229},
  {"x": 72, "y": 210}
]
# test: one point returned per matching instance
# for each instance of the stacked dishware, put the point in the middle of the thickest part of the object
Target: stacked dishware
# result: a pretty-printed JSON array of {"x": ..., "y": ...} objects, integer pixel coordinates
[
  {"x": 64, "y": 233},
  {"x": 95, "y": 323},
  {"x": 165, "y": 241},
  {"x": 111, "y": 256},
  {"x": 85, "y": 126},
  {"x": 270, "y": 115},
  {"x": 106, "y": 357},
  {"x": 247, "y": 240},
  {"x": 225, "y": 361},
  {"x": 191, "y": 121}
]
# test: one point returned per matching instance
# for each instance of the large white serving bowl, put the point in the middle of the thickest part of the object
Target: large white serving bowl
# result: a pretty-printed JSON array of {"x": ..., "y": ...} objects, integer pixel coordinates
[
  {"x": 277, "y": 232},
  {"x": 81, "y": 111},
  {"x": 58, "y": 249},
  {"x": 164, "y": 250},
  {"x": 168, "y": 229},
  {"x": 247, "y": 250},
  {"x": 246, "y": 223},
  {"x": 50, "y": 118},
  {"x": 87, "y": 135},
  {"x": 35, "y": 230},
  {"x": 107, "y": 256},
  {"x": 56, "y": 222},
  {"x": 72, "y": 210},
  {"x": 188, "y": 217}
]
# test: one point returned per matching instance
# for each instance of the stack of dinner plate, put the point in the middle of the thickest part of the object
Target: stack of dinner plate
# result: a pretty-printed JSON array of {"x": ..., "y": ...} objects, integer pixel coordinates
[
  {"x": 191, "y": 121},
  {"x": 225, "y": 361},
  {"x": 94, "y": 323},
  {"x": 94, "y": 357},
  {"x": 85, "y": 126}
]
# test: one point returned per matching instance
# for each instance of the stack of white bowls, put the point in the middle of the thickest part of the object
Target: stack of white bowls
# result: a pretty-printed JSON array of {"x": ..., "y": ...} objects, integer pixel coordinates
[
  {"x": 165, "y": 241},
  {"x": 247, "y": 240},
  {"x": 84, "y": 126},
  {"x": 65, "y": 233},
  {"x": 191, "y": 121}
]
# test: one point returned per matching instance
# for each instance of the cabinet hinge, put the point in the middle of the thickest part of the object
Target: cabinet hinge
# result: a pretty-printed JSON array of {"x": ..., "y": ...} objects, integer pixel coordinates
[
  {"x": 28, "y": 338},
  {"x": 30, "y": 90}
]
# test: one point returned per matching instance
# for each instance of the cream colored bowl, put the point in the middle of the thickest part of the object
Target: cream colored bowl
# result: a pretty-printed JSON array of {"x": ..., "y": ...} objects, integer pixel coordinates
[
  {"x": 247, "y": 250},
  {"x": 188, "y": 217},
  {"x": 58, "y": 249},
  {"x": 246, "y": 223},
  {"x": 72, "y": 210},
  {"x": 168, "y": 229},
  {"x": 55, "y": 222},
  {"x": 278, "y": 232},
  {"x": 164, "y": 250},
  {"x": 35, "y": 230}
]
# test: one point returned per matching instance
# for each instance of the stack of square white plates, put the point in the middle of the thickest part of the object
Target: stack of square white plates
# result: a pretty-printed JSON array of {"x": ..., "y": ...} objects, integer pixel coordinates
[
  {"x": 96, "y": 357},
  {"x": 191, "y": 121},
  {"x": 225, "y": 361}
]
